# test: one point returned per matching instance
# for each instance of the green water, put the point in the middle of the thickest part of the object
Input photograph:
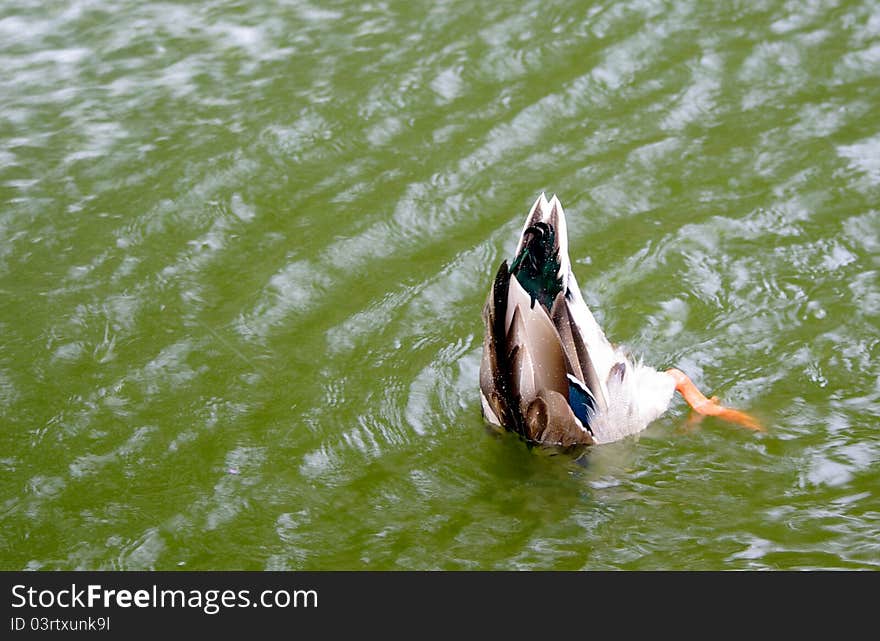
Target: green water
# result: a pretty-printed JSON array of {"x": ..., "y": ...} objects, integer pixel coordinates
[{"x": 244, "y": 250}]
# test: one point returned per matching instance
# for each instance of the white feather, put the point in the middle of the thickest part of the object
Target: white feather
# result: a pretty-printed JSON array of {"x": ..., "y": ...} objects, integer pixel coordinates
[{"x": 643, "y": 394}]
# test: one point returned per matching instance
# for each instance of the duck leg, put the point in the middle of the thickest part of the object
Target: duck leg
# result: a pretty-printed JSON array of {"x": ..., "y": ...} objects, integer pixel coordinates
[{"x": 710, "y": 406}]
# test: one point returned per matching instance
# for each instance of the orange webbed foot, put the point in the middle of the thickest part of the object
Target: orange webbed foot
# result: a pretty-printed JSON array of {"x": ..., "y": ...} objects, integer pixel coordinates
[{"x": 710, "y": 406}]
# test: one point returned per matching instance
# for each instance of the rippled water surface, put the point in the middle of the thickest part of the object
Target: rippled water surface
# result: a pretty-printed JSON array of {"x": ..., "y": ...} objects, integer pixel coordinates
[{"x": 244, "y": 250}]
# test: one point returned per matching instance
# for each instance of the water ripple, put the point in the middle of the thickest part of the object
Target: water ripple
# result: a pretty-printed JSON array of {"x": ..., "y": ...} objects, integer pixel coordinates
[{"x": 244, "y": 250}]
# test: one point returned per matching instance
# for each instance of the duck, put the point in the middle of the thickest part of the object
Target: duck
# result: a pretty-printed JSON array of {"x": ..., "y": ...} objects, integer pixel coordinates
[{"x": 548, "y": 373}]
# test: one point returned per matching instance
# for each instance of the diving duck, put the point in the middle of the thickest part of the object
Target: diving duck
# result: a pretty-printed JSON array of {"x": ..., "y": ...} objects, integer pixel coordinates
[{"x": 548, "y": 372}]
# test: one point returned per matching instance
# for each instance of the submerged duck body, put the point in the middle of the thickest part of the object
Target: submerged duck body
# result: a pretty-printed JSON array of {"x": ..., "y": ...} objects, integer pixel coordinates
[{"x": 548, "y": 372}]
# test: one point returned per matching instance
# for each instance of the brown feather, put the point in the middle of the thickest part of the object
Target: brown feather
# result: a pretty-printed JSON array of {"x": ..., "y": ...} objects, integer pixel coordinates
[
  {"x": 530, "y": 328},
  {"x": 550, "y": 421},
  {"x": 524, "y": 365},
  {"x": 577, "y": 349}
]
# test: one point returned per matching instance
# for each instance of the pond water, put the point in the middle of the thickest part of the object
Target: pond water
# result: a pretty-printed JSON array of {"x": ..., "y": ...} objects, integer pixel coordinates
[{"x": 244, "y": 250}]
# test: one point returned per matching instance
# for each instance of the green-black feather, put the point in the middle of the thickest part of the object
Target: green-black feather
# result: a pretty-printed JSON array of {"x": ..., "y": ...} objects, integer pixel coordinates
[{"x": 537, "y": 265}]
